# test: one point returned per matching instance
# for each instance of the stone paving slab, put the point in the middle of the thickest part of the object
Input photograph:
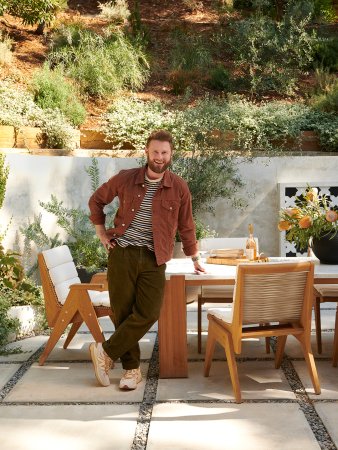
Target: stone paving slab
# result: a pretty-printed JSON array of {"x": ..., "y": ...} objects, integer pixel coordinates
[
  {"x": 293, "y": 348},
  {"x": 251, "y": 348},
  {"x": 71, "y": 382},
  {"x": 258, "y": 380},
  {"x": 198, "y": 426},
  {"x": 328, "y": 377},
  {"x": 68, "y": 427},
  {"x": 6, "y": 373},
  {"x": 328, "y": 412},
  {"x": 78, "y": 349},
  {"x": 27, "y": 347}
]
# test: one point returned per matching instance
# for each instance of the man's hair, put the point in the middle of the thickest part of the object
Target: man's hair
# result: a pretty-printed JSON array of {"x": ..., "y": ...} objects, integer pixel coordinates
[{"x": 161, "y": 135}]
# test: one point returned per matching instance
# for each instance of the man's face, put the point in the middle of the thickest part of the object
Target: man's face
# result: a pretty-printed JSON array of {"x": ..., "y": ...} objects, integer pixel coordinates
[{"x": 158, "y": 155}]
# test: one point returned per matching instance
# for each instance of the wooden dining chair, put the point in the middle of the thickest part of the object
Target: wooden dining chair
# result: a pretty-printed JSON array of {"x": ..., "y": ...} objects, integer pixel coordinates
[
  {"x": 68, "y": 301},
  {"x": 217, "y": 294},
  {"x": 278, "y": 294},
  {"x": 326, "y": 293}
]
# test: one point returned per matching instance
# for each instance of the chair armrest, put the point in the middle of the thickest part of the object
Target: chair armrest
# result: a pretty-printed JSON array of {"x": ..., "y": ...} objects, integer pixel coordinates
[
  {"x": 87, "y": 287},
  {"x": 99, "y": 277}
]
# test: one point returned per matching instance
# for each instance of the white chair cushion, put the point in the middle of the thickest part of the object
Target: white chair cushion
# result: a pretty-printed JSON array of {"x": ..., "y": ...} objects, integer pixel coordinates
[
  {"x": 99, "y": 298},
  {"x": 225, "y": 292},
  {"x": 224, "y": 314},
  {"x": 63, "y": 274},
  {"x": 57, "y": 256},
  {"x": 62, "y": 289},
  {"x": 327, "y": 290}
]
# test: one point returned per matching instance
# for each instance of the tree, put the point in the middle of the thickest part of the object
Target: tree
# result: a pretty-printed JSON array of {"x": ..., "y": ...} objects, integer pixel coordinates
[{"x": 33, "y": 12}]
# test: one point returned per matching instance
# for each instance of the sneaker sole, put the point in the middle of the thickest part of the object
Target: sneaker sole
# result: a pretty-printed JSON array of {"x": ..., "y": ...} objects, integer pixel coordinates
[
  {"x": 127, "y": 388},
  {"x": 92, "y": 355}
]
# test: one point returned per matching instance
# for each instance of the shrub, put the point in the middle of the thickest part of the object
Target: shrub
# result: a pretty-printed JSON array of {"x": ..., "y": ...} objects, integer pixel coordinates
[
  {"x": 5, "y": 50},
  {"x": 51, "y": 90},
  {"x": 189, "y": 52},
  {"x": 4, "y": 171},
  {"x": 324, "y": 9},
  {"x": 273, "y": 54},
  {"x": 33, "y": 11},
  {"x": 327, "y": 101},
  {"x": 180, "y": 80},
  {"x": 18, "y": 109},
  {"x": 102, "y": 65},
  {"x": 115, "y": 11},
  {"x": 266, "y": 127},
  {"x": 325, "y": 54},
  {"x": 219, "y": 79},
  {"x": 7, "y": 324}
]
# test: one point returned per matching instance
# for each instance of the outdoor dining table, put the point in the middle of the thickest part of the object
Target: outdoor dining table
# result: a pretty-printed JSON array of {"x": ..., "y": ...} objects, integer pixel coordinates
[{"x": 172, "y": 324}]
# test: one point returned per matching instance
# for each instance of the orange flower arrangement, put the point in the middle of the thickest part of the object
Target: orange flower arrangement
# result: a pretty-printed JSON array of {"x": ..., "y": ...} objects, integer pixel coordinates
[{"x": 312, "y": 217}]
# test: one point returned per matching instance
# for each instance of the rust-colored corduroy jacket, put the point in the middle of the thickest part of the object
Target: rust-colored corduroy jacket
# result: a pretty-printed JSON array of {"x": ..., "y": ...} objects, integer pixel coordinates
[{"x": 171, "y": 209}]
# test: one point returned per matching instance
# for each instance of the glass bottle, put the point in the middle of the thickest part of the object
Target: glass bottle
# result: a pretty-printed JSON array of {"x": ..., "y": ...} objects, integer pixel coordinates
[{"x": 251, "y": 246}]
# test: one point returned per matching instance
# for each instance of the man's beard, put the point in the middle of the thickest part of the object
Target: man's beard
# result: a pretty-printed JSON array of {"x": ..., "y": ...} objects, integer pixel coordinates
[{"x": 157, "y": 169}]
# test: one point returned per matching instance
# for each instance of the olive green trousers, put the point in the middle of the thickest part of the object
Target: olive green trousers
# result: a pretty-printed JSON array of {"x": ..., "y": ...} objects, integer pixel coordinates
[{"x": 136, "y": 288}]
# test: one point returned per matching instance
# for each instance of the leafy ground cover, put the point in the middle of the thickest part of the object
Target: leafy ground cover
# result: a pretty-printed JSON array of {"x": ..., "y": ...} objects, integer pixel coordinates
[{"x": 181, "y": 43}]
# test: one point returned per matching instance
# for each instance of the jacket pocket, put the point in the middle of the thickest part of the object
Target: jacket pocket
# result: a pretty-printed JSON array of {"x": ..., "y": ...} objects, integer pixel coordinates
[{"x": 170, "y": 210}]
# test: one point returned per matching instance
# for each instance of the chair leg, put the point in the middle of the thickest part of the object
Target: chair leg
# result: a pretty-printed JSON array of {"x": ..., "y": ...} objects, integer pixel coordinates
[
  {"x": 72, "y": 333},
  {"x": 89, "y": 316},
  {"x": 230, "y": 354},
  {"x": 281, "y": 340},
  {"x": 65, "y": 317},
  {"x": 199, "y": 324},
  {"x": 267, "y": 345},
  {"x": 310, "y": 362},
  {"x": 209, "y": 351},
  {"x": 335, "y": 342},
  {"x": 318, "y": 324}
]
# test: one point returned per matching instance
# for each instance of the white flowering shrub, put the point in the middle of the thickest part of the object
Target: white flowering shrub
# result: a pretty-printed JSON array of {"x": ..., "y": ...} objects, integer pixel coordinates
[{"x": 18, "y": 109}]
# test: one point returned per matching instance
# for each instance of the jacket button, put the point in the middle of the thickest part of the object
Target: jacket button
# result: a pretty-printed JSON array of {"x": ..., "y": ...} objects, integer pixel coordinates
[
  {"x": 133, "y": 209},
  {"x": 139, "y": 195},
  {"x": 142, "y": 185},
  {"x": 123, "y": 224}
]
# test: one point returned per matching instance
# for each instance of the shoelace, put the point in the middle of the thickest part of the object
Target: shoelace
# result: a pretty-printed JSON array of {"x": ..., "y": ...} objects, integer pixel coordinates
[
  {"x": 130, "y": 373},
  {"x": 105, "y": 362}
]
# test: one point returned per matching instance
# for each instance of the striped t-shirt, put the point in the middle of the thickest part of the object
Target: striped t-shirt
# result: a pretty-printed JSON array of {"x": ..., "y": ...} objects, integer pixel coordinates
[{"x": 140, "y": 232}]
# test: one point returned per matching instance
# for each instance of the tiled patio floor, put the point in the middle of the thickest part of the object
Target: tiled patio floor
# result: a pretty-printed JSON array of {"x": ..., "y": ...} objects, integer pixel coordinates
[{"x": 60, "y": 406}]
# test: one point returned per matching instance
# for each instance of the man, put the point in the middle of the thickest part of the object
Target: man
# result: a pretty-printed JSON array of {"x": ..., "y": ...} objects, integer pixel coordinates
[{"x": 153, "y": 204}]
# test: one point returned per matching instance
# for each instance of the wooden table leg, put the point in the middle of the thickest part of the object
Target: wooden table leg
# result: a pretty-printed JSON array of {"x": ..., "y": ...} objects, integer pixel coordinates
[{"x": 172, "y": 330}]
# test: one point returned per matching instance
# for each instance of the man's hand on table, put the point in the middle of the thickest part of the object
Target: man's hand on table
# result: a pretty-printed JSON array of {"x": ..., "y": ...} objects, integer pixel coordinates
[{"x": 196, "y": 259}]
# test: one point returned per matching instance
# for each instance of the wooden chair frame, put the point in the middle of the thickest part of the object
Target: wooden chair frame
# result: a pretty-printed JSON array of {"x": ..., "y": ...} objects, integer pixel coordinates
[
  {"x": 77, "y": 309},
  {"x": 318, "y": 299},
  {"x": 230, "y": 335},
  {"x": 228, "y": 243}
]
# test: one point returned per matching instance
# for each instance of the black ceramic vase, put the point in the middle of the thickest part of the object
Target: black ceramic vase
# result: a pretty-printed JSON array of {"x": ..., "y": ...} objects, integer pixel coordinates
[{"x": 326, "y": 249}]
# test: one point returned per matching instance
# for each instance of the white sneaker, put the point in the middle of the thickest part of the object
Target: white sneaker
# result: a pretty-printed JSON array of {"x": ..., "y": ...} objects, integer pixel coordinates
[
  {"x": 102, "y": 363},
  {"x": 130, "y": 379}
]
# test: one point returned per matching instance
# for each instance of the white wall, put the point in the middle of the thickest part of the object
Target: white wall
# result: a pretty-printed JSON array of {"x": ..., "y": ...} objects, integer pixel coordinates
[{"x": 33, "y": 178}]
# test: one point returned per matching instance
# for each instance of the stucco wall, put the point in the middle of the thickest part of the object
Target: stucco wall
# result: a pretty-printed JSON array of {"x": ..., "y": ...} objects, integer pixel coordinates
[{"x": 33, "y": 178}]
